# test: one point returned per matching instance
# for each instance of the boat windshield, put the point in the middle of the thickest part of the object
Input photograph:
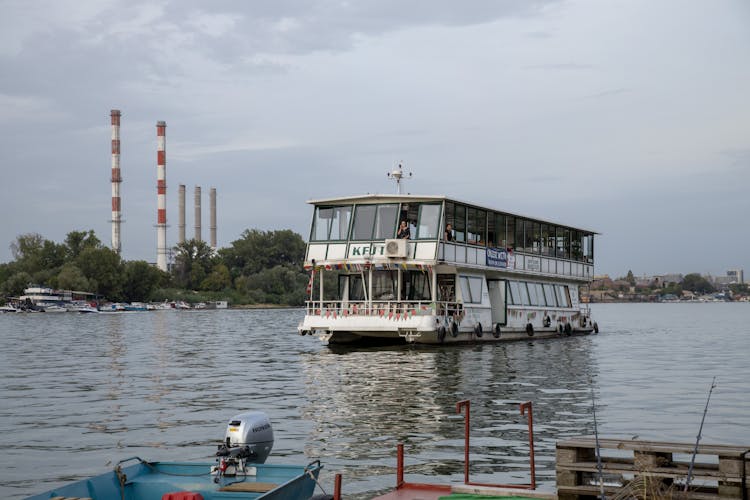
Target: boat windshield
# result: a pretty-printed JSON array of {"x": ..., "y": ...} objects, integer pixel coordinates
[{"x": 331, "y": 223}]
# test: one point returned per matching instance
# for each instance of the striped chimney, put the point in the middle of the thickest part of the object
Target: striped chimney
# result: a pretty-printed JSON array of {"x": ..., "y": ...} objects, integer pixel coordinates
[
  {"x": 197, "y": 213},
  {"x": 181, "y": 214},
  {"x": 116, "y": 180},
  {"x": 212, "y": 216},
  {"x": 161, "y": 195}
]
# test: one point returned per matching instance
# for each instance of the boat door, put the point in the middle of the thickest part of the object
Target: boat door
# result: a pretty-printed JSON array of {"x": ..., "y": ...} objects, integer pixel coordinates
[{"x": 498, "y": 294}]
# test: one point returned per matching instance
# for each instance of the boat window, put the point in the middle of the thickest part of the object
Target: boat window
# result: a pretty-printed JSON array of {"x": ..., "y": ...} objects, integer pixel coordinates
[
  {"x": 528, "y": 236},
  {"x": 416, "y": 286},
  {"x": 384, "y": 285},
  {"x": 340, "y": 223},
  {"x": 524, "y": 293},
  {"x": 540, "y": 294},
  {"x": 563, "y": 297},
  {"x": 364, "y": 220},
  {"x": 385, "y": 222},
  {"x": 356, "y": 287},
  {"x": 545, "y": 239},
  {"x": 536, "y": 238},
  {"x": 459, "y": 219},
  {"x": 510, "y": 232},
  {"x": 588, "y": 248},
  {"x": 471, "y": 289},
  {"x": 533, "y": 297},
  {"x": 429, "y": 220},
  {"x": 519, "y": 234},
  {"x": 476, "y": 229},
  {"x": 492, "y": 239},
  {"x": 513, "y": 293},
  {"x": 321, "y": 223},
  {"x": 549, "y": 295}
]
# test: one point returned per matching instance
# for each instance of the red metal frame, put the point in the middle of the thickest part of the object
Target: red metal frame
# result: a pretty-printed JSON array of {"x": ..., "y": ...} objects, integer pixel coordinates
[{"x": 467, "y": 424}]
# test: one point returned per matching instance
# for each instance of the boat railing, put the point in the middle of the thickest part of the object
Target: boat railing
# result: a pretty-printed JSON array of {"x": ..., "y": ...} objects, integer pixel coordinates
[{"x": 382, "y": 308}]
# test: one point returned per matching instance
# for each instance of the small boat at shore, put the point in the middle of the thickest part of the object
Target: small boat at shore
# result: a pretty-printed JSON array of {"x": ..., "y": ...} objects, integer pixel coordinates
[{"x": 240, "y": 472}]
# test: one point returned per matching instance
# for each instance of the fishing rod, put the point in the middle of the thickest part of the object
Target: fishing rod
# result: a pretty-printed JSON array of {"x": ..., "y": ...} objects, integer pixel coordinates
[
  {"x": 596, "y": 438},
  {"x": 698, "y": 437}
]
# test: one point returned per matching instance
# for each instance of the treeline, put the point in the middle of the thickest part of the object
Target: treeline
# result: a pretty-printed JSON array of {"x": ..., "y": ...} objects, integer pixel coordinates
[{"x": 259, "y": 267}]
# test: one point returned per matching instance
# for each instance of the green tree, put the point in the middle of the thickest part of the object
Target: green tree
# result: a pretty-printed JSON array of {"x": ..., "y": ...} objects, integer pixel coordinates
[
  {"x": 71, "y": 278},
  {"x": 218, "y": 280},
  {"x": 141, "y": 279},
  {"x": 696, "y": 283},
  {"x": 257, "y": 250},
  {"x": 15, "y": 285},
  {"x": 630, "y": 278},
  {"x": 739, "y": 288},
  {"x": 77, "y": 241},
  {"x": 194, "y": 259},
  {"x": 278, "y": 285},
  {"x": 33, "y": 253},
  {"x": 104, "y": 270}
]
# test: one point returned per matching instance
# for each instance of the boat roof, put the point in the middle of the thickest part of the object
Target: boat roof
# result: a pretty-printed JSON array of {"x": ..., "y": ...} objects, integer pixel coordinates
[{"x": 392, "y": 198}]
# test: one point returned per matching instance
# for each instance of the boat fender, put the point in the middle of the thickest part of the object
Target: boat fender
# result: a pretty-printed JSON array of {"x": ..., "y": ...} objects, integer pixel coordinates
[
  {"x": 303, "y": 332},
  {"x": 568, "y": 329},
  {"x": 496, "y": 331},
  {"x": 441, "y": 333},
  {"x": 547, "y": 321},
  {"x": 478, "y": 330},
  {"x": 454, "y": 329},
  {"x": 529, "y": 329},
  {"x": 560, "y": 329},
  {"x": 596, "y": 327}
]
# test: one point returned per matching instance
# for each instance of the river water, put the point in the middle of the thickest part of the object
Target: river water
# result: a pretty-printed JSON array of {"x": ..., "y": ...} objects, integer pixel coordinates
[{"x": 80, "y": 392}]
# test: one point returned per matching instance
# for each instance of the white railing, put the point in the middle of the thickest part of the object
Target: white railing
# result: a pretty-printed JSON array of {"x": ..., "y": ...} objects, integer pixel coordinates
[{"x": 328, "y": 308}]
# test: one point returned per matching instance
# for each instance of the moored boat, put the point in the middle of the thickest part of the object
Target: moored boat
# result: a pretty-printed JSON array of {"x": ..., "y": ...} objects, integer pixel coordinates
[
  {"x": 435, "y": 270},
  {"x": 240, "y": 472}
]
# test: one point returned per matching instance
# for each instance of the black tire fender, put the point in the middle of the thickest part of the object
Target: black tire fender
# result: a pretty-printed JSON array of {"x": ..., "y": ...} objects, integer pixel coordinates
[
  {"x": 529, "y": 329},
  {"x": 596, "y": 327},
  {"x": 454, "y": 329},
  {"x": 568, "y": 329},
  {"x": 478, "y": 330},
  {"x": 496, "y": 331},
  {"x": 441, "y": 333}
]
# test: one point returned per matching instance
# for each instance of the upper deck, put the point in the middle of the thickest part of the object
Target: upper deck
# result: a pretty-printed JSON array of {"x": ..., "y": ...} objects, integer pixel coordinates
[{"x": 443, "y": 230}]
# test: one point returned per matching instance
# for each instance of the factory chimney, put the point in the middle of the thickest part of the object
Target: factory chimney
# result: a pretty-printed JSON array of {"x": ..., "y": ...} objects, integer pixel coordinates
[
  {"x": 198, "y": 213},
  {"x": 212, "y": 209},
  {"x": 181, "y": 214},
  {"x": 161, "y": 195},
  {"x": 116, "y": 180}
]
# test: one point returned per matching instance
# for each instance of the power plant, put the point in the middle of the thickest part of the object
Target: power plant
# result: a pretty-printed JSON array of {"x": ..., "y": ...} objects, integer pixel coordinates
[
  {"x": 116, "y": 180},
  {"x": 162, "y": 251},
  {"x": 161, "y": 194}
]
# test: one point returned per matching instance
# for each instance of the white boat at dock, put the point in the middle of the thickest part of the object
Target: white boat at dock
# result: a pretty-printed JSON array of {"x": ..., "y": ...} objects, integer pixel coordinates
[{"x": 453, "y": 272}]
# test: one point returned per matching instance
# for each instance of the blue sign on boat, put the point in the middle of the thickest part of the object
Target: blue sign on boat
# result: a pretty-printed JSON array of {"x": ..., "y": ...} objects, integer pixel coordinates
[{"x": 497, "y": 257}]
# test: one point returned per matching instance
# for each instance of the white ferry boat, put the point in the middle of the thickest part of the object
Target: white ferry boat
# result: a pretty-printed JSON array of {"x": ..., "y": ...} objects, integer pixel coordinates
[{"x": 460, "y": 272}]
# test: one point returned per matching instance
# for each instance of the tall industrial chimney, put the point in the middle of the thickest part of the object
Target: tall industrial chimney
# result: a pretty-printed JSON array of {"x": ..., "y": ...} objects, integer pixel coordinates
[
  {"x": 212, "y": 209},
  {"x": 181, "y": 214},
  {"x": 116, "y": 180},
  {"x": 161, "y": 195},
  {"x": 198, "y": 213}
]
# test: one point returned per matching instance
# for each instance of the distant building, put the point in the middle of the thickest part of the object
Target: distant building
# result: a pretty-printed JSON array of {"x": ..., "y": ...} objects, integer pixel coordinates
[{"x": 736, "y": 276}]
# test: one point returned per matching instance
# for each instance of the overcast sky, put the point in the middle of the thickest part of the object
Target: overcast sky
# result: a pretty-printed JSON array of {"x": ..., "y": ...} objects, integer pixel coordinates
[{"x": 629, "y": 117}]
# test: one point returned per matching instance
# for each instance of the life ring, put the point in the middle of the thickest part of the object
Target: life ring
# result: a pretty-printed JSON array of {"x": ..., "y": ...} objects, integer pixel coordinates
[
  {"x": 454, "y": 329},
  {"x": 596, "y": 327},
  {"x": 547, "y": 321},
  {"x": 496, "y": 331},
  {"x": 478, "y": 330},
  {"x": 441, "y": 333},
  {"x": 529, "y": 329},
  {"x": 568, "y": 329}
]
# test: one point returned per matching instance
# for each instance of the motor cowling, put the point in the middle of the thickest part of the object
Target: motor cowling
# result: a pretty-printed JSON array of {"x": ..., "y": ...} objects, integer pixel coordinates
[{"x": 249, "y": 436}]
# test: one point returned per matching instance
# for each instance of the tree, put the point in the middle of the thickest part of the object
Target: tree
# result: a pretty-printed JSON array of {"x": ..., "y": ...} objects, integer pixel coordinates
[
  {"x": 630, "y": 278},
  {"x": 193, "y": 261},
  {"x": 15, "y": 285},
  {"x": 257, "y": 250},
  {"x": 104, "y": 270},
  {"x": 71, "y": 278},
  {"x": 696, "y": 283},
  {"x": 218, "y": 280},
  {"x": 33, "y": 253},
  {"x": 278, "y": 285},
  {"x": 77, "y": 241},
  {"x": 141, "y": 279}
]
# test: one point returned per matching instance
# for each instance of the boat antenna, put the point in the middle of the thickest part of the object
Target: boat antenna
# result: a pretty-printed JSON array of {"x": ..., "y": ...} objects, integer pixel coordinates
[
  {"x": 596, "y": 440},
  {"x": 698, "y": 437},
  {"x": 398, "y": 174}
]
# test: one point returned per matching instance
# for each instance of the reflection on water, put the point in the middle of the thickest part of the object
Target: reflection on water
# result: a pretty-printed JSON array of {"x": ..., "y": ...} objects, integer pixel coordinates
[{"x": 80, "y": 392}]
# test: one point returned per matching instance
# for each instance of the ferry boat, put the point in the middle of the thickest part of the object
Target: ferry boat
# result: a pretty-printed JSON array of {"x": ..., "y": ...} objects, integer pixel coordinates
[{"x": 457, "y": 272}]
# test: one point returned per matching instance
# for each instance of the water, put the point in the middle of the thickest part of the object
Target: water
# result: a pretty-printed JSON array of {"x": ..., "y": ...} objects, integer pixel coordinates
[{"x": 80, "y": 392}]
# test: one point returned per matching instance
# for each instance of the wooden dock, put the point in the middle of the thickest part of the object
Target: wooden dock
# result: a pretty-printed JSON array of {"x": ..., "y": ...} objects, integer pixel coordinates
[{"x": 648, "y": 467}]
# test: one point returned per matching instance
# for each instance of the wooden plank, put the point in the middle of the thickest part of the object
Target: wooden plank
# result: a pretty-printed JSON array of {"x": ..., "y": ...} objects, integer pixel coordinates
[
  {"x": 249, "y": 487},
  {"x": 593, "y": 491},
  {"x": 654, "y": 446},
  {"x": 667, "y": 472}
]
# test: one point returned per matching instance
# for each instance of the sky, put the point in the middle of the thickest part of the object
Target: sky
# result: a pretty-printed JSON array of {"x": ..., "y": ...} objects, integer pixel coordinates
[{"x": 627, "y": 117}]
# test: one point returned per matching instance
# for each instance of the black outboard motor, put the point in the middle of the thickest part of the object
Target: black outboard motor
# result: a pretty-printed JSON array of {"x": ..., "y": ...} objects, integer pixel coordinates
[{"x": 248, "y": 440}]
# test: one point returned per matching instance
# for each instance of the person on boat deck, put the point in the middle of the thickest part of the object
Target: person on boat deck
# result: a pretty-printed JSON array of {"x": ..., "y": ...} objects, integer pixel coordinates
[
  {"x": 448, "y": 232},
  {"x": 403, "y": 231}
]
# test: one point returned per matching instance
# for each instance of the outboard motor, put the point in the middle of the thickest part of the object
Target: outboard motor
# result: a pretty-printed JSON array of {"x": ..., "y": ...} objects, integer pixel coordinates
[{"x": 248, "y": 440}]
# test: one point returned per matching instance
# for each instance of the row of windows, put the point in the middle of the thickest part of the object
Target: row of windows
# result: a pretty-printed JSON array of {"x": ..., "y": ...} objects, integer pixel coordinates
[
  {"x": 522, "y": 293},
  {"x": 480, "y": 227},
  {"x": 376, "y": 222},
  {"x": 468, "y": 225}
]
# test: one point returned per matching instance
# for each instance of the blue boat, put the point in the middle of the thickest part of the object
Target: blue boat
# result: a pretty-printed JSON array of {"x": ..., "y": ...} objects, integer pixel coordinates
[{"x": 238, "y": 473}]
